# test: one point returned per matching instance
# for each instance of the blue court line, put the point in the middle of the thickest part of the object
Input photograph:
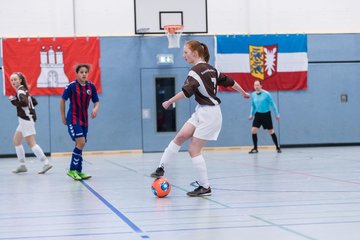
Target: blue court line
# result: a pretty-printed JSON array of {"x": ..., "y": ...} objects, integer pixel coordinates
[
  {"x": 53, "y": 216},
  {"x": 267, "y": 225},
  {"x": 115, "y": 210},
  {"x": 298, "y": 205},
  {"x": 302, "y": 173},
  {"x": 285, "y": 191},
  {"x": 68, "y": 235},
  {"x": 282, "y": 227},
  {"x": 207, "y": 228},
  {"x": 78, "y": 229},
  {"x": 254, "y": 207},
  {"x": 122, "y": 166}
]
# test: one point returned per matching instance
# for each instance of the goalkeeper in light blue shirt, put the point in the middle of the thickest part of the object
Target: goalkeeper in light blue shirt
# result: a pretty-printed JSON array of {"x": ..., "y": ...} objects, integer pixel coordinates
[{"x": 261, "y": 102}]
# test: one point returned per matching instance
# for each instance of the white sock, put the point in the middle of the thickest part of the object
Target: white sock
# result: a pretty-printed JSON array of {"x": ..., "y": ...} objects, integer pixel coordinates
[
  {"x": 20, "y": 153},
  {"x": 169, "y": 153},
  {"x": 40, "y": 154},
  {"x": 201, "y": 171}
]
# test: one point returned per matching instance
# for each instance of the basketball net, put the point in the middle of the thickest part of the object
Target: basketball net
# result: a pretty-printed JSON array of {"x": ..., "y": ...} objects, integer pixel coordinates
[{"x": 173, "y": 34}]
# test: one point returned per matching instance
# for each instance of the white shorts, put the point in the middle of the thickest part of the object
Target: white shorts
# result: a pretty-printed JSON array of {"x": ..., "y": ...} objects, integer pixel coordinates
[
  {"x": 27, "y": 128},
  {"x": 207, "y": 121}
]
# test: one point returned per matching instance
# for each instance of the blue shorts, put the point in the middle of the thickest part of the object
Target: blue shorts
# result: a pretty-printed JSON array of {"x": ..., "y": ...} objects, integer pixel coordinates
[{"x": 77, "y": 131}]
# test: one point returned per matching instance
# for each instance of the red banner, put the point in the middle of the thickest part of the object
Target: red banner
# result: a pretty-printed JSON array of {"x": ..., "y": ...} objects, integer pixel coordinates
[
  {"x": 283, "y": 81},
  {"x": 49, "y": 63}
]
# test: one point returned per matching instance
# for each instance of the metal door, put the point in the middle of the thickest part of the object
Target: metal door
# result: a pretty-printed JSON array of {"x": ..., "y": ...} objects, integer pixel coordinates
[{"x": 159, "y": 126}]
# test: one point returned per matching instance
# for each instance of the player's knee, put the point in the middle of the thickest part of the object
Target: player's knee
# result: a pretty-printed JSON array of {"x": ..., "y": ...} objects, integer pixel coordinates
[
  {"x": 31, "y": 144},
  {"x": 193, "y": 151},
  {"x": 80, "y": 143},
  {"x": 180, "y": 139},
  {"x": 16, "y": 142}
]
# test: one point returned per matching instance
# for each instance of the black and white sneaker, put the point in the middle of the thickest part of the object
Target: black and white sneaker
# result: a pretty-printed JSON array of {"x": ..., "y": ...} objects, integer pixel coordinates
[
  {"x": 159, "y": 172},
  {"x": 278, "y": 150},
  {"x": 200, "y": 191},
  {"x": 254, "y": 150}
]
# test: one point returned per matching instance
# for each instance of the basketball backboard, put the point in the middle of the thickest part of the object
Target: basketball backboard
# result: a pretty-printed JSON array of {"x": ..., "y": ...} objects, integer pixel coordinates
[{"x": 152, "y": 15}]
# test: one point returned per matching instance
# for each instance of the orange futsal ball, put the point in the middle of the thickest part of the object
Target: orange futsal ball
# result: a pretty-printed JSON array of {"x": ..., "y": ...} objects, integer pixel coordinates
[{"x": 161, "y": 187}]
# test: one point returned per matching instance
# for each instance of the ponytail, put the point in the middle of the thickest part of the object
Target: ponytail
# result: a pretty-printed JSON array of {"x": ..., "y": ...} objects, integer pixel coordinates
[{"x": 206, "y": 53}]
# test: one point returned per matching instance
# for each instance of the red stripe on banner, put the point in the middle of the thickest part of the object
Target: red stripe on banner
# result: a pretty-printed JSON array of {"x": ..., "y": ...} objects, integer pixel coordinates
[{"x": 282, "y": 81}]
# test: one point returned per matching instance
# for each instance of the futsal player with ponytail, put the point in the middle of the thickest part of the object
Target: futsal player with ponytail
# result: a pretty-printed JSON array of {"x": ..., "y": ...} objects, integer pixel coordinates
[
  {"x": 205, "y": 123},
  {"x": 25, "y": 106}
]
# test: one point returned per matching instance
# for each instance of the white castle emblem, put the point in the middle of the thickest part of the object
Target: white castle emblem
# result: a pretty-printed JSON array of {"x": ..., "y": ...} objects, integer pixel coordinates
[{"x": 52, "y": 68}]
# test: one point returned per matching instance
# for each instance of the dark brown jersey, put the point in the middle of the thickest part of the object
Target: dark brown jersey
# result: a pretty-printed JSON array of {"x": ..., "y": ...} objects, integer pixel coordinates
[
  {"x": 202, "y": 81},
  {"x": 25, "y": 104}
]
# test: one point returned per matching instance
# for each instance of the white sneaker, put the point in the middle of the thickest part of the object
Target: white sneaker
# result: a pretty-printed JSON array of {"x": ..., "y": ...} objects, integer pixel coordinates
[
  {"x": 46, "y": 168},
  {"x": 20, "y": 169}
]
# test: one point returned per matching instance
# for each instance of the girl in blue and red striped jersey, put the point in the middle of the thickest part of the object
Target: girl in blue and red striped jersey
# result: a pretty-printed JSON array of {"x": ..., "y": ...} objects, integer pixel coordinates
[{"x": 80, "y": 92}]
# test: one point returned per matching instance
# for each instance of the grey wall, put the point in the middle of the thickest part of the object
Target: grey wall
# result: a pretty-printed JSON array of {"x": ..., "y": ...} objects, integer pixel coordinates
[
  {"x": 314, "y": 116},
  {"x": 317, "y": 116}
]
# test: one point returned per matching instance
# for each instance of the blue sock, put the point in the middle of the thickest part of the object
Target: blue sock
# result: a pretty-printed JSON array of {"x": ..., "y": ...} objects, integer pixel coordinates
[
  {"x": 79, "y": 167},
  {"x": 76, "y": 159}
]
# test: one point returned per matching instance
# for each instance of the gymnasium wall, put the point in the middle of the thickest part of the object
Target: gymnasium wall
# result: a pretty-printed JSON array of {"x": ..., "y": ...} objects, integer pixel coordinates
[
  {"x": 334, "y": 69},
  {"x": 314, "y": 116},
  {"x": 34, "y": 18}
]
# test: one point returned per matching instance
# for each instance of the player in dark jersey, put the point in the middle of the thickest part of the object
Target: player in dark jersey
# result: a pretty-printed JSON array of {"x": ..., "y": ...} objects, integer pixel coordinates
[
  {"x": 205, "y": 123},
  {"x": 25, "y": 106},
  {"x": 80, "y": 92}
]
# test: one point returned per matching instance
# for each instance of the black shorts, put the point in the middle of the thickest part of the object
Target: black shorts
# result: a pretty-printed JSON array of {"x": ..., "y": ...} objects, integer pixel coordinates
[{"x": 263, "y": 119}]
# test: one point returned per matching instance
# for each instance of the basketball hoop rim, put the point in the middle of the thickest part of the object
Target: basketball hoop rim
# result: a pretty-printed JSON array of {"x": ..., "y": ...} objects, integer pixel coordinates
[
  {"x": 173, "y": 33},
  {"x": 172, "y": 28}
]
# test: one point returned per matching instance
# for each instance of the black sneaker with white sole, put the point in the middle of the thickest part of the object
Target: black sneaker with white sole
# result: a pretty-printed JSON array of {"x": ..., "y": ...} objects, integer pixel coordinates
[
  {"x": 159, "y": 172},
  {"x": 254, "y": 150},
  {"x": 200, "y": 191}
]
